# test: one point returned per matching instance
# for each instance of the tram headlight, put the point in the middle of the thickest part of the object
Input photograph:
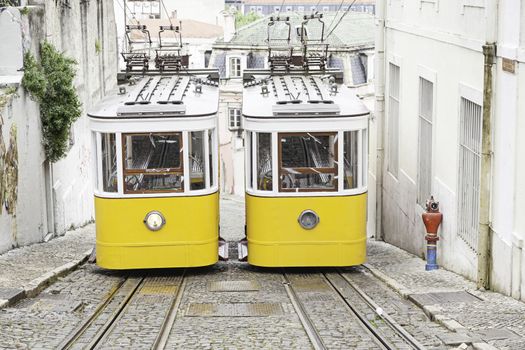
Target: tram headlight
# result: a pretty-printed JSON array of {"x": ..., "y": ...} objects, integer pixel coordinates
[
  {"x": 154, "y": 220},
  {"x": 308, "y": 219}
]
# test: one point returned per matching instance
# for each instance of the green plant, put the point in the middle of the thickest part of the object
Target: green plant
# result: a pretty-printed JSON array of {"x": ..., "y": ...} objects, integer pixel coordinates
[
  {"x": 242, "y": 20},
  {"x": 6, "y": 95},
  {"x": 24, "y": 11},
  {"x": 98, "y": 46},
  {"x": 50, "y": 83}
]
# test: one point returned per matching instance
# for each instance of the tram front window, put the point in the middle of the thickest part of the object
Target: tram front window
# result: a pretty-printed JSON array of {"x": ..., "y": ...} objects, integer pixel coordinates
[
  {"x": 308, "y": 162},
  {"x": 152, "y": 162}
]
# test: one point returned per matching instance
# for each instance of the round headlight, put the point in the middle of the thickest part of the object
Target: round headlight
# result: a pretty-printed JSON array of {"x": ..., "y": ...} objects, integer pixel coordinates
[
  {"x": 308, "y": 219},
  {"x": 154, "y": 220}
]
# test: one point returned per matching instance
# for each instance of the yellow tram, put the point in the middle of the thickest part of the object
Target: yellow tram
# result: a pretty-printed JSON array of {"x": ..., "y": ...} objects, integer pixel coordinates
[
  {"x": 306, "y": 169},
  {"x": 156, "y": 192}
]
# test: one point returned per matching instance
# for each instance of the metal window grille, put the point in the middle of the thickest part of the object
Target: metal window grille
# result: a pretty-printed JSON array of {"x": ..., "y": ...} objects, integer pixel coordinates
[
  {"x": 393, "y": 121},
  {"x": 234, "y": 118},
  {"x": 426, "y": 105},
  {"x": 235, "y": 67},
  {"x": 469, "y": 172}
]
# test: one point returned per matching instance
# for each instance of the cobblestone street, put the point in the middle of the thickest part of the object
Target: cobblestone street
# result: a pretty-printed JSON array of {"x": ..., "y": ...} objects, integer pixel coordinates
[{"x": 390, "y": 302}]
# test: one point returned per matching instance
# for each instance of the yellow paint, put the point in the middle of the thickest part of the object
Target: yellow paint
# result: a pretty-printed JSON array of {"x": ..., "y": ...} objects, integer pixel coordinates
[
  {"x": 189, "y": 238},
  {"x": 275, "y": 237}
]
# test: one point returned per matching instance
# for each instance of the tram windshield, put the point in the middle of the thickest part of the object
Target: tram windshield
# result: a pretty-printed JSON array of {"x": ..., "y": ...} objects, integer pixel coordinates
[
  {"x": 308, "y": 162},
  {"x": 153, "y": 162}
]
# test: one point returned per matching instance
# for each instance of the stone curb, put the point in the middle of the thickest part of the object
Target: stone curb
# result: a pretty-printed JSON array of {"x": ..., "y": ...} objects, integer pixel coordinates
[
  {"x": 432, "y": 311},
  {"x": 34, "y": 287}
]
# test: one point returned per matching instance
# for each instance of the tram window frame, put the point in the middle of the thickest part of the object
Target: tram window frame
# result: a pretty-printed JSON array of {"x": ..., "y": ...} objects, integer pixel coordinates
[
  {"x": 191, "y": 150},
  {"x": 152, "y": 171},
  {"x": 260, "y": 181},
  {"x": 351, "y": 159},
  {"x": 103, "y": 183},
  {"x": 309, "y": 170}
]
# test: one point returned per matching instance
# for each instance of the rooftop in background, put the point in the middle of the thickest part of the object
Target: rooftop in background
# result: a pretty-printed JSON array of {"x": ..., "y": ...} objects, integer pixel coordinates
[
  {"x": 356, "y": 29},
  {"x": 190, "y": 29}
]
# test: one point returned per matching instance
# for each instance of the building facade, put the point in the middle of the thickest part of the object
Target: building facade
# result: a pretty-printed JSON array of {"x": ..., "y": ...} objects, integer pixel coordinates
[
  {"x": 351, "y": 49},
  {"x": 450, "y": 87},
  {"x": 40, "y": 199}
]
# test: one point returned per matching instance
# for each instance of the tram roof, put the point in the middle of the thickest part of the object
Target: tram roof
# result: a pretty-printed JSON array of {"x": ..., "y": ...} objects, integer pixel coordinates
[
  {"x": 167, "y": 95},
  {"x": 299, "y": 94}
]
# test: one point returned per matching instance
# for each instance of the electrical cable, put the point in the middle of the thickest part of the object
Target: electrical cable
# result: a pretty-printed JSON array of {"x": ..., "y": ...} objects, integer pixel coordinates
[
  {"x": 340, "y": 19},
  {"x": 335, "y": 16},
  {"x": 165, "y": 10}
]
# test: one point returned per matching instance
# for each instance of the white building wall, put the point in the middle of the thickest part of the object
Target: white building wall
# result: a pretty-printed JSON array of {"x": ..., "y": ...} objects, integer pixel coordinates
[
  {"x": 444, "y": 40},
  {"x": 439, "y": 42}
]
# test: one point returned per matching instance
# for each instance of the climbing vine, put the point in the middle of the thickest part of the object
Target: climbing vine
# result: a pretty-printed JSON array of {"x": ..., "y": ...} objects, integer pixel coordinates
[{"x": 50, "y": 83}]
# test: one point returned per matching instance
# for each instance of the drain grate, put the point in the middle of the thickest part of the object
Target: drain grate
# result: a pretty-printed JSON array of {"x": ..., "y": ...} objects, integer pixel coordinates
[
  {"x": 310, "y": 286},
  {"x": 233, "y": 286},
  {"x": 158, "y": 290},
  {"x": 317, "y": 298},
  {"x": 442, "y": 298},
  {"x": 234, "y": 310}
]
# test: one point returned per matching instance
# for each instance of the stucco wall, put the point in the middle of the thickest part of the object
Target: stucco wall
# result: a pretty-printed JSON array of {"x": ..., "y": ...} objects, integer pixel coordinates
[{"x": 53, "y": 198}]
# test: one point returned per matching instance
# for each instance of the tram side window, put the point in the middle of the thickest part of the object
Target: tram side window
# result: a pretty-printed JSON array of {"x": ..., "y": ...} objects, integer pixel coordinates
[
  {"x": 308, "y": 162},
  {"x": 109, "y": 163},
  {"x": 351, "y": 160},
  {"x": 153, "y": 162},
  {"x": 197, "y": 161},
  {"x": 249, "y": 172},
  {"x": 211, "y": 152},
  {"x": 264, "y": 161}
]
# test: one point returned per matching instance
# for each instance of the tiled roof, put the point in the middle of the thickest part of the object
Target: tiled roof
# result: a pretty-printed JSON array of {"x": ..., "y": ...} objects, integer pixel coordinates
[{"x": 355, "y": 29}]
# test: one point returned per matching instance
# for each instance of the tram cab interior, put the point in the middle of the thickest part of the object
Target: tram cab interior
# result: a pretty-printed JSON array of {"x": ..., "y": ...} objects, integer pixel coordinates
[
  {"x": 306, "y": 169},
  {"x": 156, "y": 156}
]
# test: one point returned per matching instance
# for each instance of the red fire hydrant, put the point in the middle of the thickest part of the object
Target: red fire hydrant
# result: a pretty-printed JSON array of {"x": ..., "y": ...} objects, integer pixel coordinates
[{"x": 432, "y": 219}]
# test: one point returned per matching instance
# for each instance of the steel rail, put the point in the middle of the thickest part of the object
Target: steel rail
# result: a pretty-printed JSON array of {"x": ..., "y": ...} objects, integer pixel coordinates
[
  {"x": 80, "y": 329},
  {"x": 386, "y": 317},
  {"x": 171, "y": 315},
  {"x": 311, "y": 331},
  {"x": 380, "y": 340},
  {"x": 106, "y": 329}
]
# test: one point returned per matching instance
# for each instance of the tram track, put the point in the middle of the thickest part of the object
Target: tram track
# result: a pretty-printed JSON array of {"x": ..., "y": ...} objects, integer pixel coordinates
[
  {"x": 336, "y": 282},
  {"x": 94, "y": 331}
]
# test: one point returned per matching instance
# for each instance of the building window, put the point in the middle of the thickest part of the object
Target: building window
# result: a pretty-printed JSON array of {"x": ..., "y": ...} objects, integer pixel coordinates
[
  {"x": 469, "y": 172},
  {"x": 276, "y": 9},
  {"x": 259, "y": 10},
  {"x": 207, "y": 56},
  {"x": 235, "y": 67},
  {"x": 234, "y": 118},
  {"x": 253, "y": 8},
  {"x": 300, "y": 8},
  {"x": 326, "y": 8},
  {"x": 426, "y": 106},
  {"x": 393, "y": 120},
  {"x": 313, "y": 8},
  {"x": 289, "y": 8}
]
